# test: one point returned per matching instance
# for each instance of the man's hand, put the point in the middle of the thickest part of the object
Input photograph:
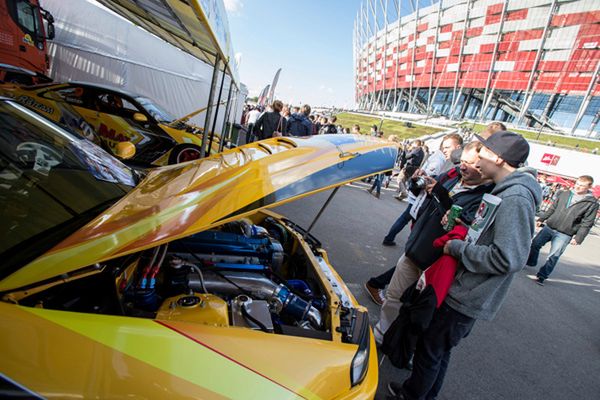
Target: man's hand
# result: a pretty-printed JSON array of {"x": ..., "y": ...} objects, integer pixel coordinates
[
  {"x": 538, "y": 224},
  {"x": 574, "y": 242},
  {"x": 447, "y": 245},
  {"x": 447, "y": 248},
  {"x": 419, "y": 172},
  {"x": 430, "y": 184},
  {"x": 444, "y": 220}
]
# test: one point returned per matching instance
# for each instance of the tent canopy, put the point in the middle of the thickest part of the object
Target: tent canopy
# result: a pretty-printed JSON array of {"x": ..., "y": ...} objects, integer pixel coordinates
[{"x": 201, "y": 30}]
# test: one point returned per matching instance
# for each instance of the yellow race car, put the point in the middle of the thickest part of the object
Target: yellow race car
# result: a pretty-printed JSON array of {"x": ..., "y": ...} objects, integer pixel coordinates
[
  {"x": 178, "y": 283},
  {"x": 108, "y": 116}
]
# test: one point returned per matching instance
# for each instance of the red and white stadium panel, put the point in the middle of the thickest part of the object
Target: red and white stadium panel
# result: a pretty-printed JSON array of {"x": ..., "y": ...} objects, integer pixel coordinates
[{"x": 569, "y": 53}]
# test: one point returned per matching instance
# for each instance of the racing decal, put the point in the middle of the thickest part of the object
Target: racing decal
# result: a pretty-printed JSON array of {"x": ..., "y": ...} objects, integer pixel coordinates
[
  {"x": 32, "y": 103},
  {"x": 111, "y": 135},
  {"x": 27, "y": 40}
]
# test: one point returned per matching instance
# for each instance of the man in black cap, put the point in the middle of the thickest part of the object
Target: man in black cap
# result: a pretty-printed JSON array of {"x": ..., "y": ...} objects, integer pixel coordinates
[{"x": 486, "y": 267}]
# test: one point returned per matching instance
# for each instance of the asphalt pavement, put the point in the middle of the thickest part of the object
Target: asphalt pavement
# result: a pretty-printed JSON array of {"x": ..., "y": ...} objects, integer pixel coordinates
[{"x": 545, "y": 341}]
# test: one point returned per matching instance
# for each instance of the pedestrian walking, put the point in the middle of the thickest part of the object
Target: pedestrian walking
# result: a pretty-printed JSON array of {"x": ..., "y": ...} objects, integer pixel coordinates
[
  {"x": 568, "y": 221},
  {"x": 486, "y": 268}
]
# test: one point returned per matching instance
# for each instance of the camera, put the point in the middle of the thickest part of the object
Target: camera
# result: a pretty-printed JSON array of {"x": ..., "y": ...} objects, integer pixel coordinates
[{"x": 419, "y": 182}]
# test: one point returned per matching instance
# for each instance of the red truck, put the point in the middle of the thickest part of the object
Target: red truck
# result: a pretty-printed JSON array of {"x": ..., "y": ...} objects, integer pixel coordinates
[{"x": 24, "y": 28}]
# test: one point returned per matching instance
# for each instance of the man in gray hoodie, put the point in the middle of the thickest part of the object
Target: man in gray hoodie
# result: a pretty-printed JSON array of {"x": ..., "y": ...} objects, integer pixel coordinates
[{"x": 486, "y": 268}]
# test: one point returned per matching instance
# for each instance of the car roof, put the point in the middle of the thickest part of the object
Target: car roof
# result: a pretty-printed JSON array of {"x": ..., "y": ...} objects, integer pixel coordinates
[
  {"x": 86, "y": 84},
  {"x": 105, "y": 87}
]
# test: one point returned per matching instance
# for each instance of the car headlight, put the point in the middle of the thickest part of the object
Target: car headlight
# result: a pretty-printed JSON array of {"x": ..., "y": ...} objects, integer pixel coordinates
[{"x": 360, "y": 362}]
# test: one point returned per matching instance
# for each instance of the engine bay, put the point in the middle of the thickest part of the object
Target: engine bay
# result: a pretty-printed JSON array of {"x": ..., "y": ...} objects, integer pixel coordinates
[{"x": 250, "y": 273}]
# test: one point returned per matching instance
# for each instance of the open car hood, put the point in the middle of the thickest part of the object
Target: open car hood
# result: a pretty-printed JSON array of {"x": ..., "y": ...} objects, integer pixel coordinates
[{"x": 177, "y": 201}]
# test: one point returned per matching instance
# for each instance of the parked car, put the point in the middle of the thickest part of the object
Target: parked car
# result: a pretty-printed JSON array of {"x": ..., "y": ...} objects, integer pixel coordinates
[
  {"x": 108, "y": 116},
  {"x": 178, "y": 283}
]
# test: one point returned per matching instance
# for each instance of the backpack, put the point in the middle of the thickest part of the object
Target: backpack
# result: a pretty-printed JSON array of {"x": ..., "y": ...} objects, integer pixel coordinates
[{"x": 294, "y": 125}]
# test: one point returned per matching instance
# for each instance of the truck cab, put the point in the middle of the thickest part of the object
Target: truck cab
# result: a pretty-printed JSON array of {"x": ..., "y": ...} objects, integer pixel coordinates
[{"x": 24, "y": 28}]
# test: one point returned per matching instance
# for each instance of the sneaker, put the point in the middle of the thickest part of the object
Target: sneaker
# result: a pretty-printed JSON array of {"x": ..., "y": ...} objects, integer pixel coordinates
[
  {"x": 388, "y": 243},
  {"x": 395, "y": 390},
  {"x": 375, "y": 294},
  {"x": 369, "y": 190},
  {"x": 540, "y": 281},
  {"x": 377, "y": 195}
]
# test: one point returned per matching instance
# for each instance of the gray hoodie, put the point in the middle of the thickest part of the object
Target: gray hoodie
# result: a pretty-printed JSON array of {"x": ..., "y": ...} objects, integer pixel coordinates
[{"x": 486, "y": 269}]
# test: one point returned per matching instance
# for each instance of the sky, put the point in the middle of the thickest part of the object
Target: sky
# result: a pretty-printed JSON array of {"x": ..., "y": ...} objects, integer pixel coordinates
[{"x": 311, "y": 40}]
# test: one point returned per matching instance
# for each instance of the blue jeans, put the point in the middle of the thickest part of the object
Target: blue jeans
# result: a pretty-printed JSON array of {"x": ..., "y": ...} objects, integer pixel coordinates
[
  {"x": 400, "y": 223},
  {"x": 558, "y": 244},
  {"x": 377, "y": 183}
]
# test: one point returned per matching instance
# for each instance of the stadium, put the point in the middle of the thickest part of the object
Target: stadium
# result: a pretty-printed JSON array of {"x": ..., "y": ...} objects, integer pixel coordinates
[{"x": 532, "y": 63}]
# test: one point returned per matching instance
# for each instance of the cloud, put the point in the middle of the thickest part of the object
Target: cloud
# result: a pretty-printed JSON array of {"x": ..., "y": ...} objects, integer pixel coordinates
[{"x": 234, "y": 6}]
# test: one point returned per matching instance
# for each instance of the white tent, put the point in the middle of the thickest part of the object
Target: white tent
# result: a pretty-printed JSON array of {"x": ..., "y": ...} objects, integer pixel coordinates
[{"x": 94, "y": 44}]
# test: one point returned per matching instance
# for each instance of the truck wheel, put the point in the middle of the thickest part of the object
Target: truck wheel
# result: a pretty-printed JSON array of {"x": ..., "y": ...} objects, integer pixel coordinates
[{"x": 184, "y": 152}]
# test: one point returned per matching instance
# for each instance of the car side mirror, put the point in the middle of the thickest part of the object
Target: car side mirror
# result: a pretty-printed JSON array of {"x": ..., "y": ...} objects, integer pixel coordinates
[
  {"x": 139, "y": 117},
  {"x": 125, "y": 150},
  {"x": 50, "y": 34}
]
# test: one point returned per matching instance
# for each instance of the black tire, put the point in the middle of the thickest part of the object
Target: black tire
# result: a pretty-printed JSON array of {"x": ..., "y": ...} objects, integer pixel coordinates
[{"x": 184, "y": 152}]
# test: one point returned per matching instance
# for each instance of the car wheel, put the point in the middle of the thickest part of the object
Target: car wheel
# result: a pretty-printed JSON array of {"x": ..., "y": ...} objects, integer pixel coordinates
[{"x": 184, "y": 152}]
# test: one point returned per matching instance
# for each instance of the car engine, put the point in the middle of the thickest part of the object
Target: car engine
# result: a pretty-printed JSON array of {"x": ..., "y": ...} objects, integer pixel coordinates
[{"x": 240, "y": 275}]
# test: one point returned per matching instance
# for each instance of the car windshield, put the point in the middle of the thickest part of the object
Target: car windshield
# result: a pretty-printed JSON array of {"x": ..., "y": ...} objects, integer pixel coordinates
[
  {"x": 155, "y": 110},
  {"x": 51, "y": 183}
]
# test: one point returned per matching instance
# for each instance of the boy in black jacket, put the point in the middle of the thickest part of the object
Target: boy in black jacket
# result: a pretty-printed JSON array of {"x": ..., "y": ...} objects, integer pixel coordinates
[{"x": 568, "y": 221}]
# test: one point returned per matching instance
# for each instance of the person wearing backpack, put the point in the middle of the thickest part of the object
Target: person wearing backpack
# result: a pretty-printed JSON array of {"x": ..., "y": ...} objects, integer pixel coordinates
[
  {"x": 299, "y": 124},
  {"x": 271, "y": 123}
]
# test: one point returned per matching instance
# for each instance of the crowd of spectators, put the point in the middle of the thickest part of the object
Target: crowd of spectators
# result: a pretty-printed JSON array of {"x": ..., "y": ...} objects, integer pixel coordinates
[{"x": 279, "y": 119}]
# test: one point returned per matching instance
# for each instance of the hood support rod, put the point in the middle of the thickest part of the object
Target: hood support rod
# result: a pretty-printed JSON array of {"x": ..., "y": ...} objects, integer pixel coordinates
[{"x": 321, "y": 212}]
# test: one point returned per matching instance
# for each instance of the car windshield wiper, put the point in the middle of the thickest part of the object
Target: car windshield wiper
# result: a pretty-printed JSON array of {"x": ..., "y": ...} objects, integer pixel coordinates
[{"x": 31, "y": 248}]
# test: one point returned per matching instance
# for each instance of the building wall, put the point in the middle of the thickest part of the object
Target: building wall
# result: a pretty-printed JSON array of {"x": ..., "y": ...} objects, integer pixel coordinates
[{"x": 455, "y": 44}]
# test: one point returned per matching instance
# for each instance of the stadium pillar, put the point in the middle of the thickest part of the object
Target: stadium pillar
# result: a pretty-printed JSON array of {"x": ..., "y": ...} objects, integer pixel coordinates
[
  {"x": 435, "y": 46},
  {"x": 397, "y": 54},
  {"x": 487, "y": 97},
  {"x": 412, "y": 64},
  {"x": 460, "y": 56},
  {"x": 467, "y": 104},
  {"x": 586, "y": 99},
  {"x": 384, "y": 57},
  {"x": 529, "y": 95}
]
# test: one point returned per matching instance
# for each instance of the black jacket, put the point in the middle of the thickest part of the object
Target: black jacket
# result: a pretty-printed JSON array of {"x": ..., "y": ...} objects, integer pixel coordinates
[
  {"x": 268, "y": 123},
  {"x": 416, "y": 313},
  {"x": 571, "y": 219},
  {"x": 428, "y": 226},
  {"x": 414, "y": 157}
]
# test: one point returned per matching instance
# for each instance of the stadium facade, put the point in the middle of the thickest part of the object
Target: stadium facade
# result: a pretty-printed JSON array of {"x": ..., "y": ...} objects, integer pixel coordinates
[{"x": 533, "y": 63}]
